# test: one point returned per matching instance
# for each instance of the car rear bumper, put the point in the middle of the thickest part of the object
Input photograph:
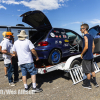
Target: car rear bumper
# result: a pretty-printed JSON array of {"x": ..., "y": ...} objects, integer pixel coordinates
[{"x": 43, "y": 54}]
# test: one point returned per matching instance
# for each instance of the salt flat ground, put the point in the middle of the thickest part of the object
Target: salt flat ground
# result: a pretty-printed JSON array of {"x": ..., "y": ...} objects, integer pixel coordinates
[{"x": 54, "y": 84}]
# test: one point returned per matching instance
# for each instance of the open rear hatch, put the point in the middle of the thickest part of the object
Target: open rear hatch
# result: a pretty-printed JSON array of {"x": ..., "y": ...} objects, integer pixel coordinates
[
  {"x": 40, "y": 22},
  {"x": 37, "y": 20},
  {"x": 95, "y": 32}
]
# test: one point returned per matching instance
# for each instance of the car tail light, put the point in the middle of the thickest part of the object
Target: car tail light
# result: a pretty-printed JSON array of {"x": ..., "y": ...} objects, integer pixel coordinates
[
  {"x": 43, "y": 43},
  {"x": 44, "y": 71}
]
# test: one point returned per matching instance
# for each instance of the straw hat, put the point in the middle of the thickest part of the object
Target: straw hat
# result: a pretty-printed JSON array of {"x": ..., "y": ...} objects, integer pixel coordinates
[
  {"x": 22, "y": 35},
  {"x": 4, "y": 33}
]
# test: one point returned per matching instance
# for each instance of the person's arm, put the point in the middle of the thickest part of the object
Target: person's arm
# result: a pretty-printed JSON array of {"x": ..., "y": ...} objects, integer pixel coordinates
[
  {"x": 35, "y": 54},
  {"x": 8, "y": 53},
  {"x": 4, "y": 49},
  {"x": 93, "y": 47},
  {"x": 15, "y": 53},
  {"x": 85, "y": 47},
  {"x": 0, "y": 48},
  {"x": 31, "y": 47}
]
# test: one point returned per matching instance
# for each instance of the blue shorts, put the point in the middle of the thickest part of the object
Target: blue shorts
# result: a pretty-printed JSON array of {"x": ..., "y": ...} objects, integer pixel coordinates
[
  {"x": 29, "y": 67},
  {"x": 5, "y": 65}
]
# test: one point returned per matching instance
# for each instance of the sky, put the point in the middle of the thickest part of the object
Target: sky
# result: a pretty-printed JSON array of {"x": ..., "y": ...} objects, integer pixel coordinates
[{"x": 69, "y": 14}]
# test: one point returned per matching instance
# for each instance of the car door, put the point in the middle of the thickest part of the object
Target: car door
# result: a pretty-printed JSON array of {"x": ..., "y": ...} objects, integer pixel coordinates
[
  {"x": 58, "y": 39},
  {"x": 75, "y": 42},
  {"x": 95, "y": 32}
]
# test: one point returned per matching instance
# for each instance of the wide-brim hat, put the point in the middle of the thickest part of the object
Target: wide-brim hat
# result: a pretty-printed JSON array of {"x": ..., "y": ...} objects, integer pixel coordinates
[{"x": 22, "y": 35}]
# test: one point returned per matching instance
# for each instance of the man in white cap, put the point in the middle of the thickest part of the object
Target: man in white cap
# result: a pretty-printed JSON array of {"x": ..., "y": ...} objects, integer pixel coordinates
[
  {"x": 24, "y": 49},
  {"x": 5, "y": 68}
]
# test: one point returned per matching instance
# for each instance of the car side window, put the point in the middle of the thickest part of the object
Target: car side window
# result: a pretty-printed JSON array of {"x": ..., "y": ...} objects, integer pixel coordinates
[
  {"x": 58, "y": 33},
  {"x": 73, "y": 38}
]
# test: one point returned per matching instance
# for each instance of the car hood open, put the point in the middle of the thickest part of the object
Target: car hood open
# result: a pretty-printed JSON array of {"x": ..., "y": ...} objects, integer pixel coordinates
[{"x": 37, "y": 20}]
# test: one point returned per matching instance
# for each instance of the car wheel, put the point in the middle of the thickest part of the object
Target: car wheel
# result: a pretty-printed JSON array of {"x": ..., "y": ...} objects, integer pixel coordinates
[
  {"x": 75, "y": 63},
  {"x": 54, "y": 57}
]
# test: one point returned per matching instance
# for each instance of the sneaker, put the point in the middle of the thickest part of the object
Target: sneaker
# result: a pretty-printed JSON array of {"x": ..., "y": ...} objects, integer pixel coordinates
[
  {"x": 26, "y": 89},
  {"x": 36, "y": 90},
  {"x": 96, "y": 85},
  {"x": 6, "y": 76},
  {"x": 87, "y": 86},
  {"x": 11, "y": 84},
  {"x": 19, "y": 80}
]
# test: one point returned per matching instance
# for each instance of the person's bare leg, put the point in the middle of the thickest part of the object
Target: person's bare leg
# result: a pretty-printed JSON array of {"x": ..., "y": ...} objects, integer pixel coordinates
[
  {"x": 88, "y": 76},
  {"x": 33, "y": 77},
  {"x": 24, "y": 79},
  {"x": 5, "y": 70},
  {"x": 93, "y": 74}
]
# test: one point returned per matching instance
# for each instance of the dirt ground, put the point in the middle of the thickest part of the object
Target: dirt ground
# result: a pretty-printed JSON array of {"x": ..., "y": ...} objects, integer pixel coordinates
[{"x": 54, "y": 84}]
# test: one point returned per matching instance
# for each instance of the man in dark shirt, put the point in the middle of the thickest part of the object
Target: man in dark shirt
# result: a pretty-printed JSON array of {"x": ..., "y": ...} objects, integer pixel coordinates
[{"x": 87, "y": 56}]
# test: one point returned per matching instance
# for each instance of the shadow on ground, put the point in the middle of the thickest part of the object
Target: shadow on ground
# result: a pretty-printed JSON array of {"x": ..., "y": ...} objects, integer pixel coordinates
[
  {"x": 51, "y": 76},
  {"x": 48, "y": 77}
]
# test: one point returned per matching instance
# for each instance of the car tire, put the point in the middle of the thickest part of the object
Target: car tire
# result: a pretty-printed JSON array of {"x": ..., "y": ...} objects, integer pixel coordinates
[
  {"x": 75, "y": 63},
  {"x": 54, "y": 57}
]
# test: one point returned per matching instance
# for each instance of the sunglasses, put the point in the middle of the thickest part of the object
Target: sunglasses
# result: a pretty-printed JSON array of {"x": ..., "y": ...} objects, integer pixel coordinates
[{"x": 81, "y": 28}]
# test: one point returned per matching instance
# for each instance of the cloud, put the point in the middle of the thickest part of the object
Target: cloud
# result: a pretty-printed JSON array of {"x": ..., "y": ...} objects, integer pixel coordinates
[
  {"x": 95, "y": 21},
  {"x": 10, "y": 2},
  {"x": 75, "y": 23},
  {"x": 42, "y": 4},
  {"x": 2, "y": 7},
  {"x": 38, "y": 4},
  {"x": 72, "y": 23},
  {"x": 20, "y": 10}
]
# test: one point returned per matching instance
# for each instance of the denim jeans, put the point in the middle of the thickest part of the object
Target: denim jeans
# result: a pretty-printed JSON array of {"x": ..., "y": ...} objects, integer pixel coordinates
[{"x": 9, "y": 71}]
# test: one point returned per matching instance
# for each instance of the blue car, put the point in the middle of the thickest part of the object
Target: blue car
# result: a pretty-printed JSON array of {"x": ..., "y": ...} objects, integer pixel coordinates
[
  {"x": 52, "y": 44},
  {"x": 95, "y": 32}
]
